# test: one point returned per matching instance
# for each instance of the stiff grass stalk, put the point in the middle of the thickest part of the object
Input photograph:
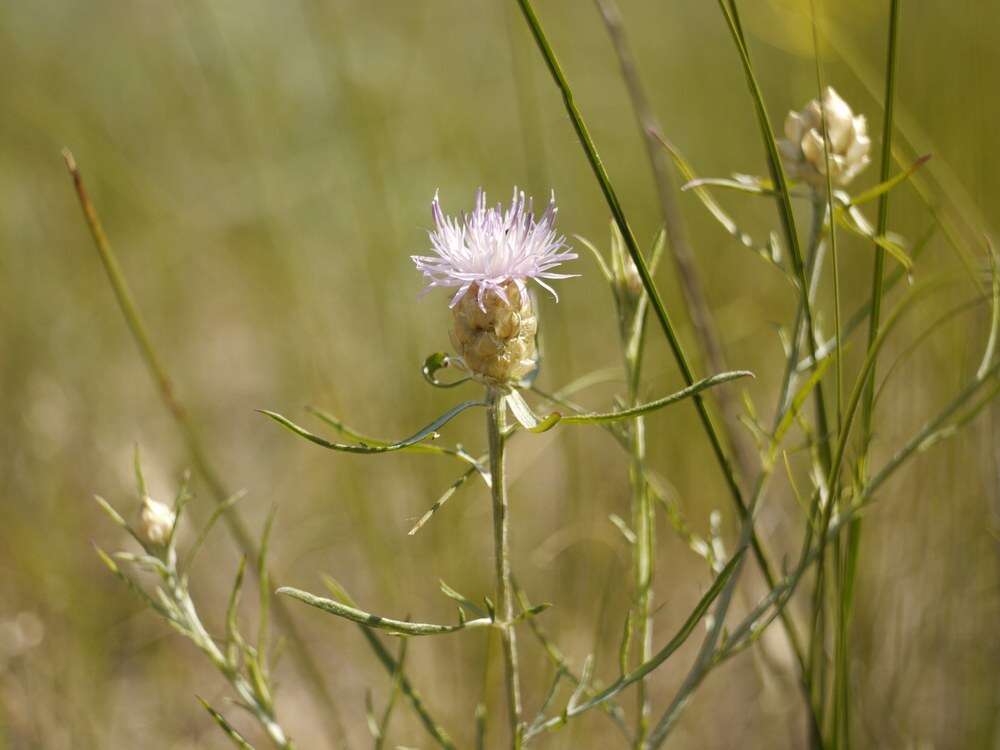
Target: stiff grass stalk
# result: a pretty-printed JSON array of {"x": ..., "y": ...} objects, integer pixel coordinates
[
  {"x": 817, "y": 647},
  {"x": 842, "y": 686}
]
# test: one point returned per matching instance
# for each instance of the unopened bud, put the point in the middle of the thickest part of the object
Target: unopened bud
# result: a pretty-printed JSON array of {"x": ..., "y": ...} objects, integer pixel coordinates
[
  {"x": 157, "y": 521},
  {"x": 632, "y": 282}
]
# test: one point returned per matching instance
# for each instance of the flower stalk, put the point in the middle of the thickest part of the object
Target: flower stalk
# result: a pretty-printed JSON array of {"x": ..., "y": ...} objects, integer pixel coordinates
[
  {"x": 645, "y": 546},
  {"x": 495, "y": 425}
]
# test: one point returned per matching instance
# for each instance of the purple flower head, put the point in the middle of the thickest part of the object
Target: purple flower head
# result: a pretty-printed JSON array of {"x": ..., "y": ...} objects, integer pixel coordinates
[{"x": 492, "y": 246}]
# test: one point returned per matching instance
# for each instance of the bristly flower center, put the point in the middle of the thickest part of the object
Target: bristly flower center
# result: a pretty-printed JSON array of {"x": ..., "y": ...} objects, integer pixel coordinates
[{"x": 492, "y": 246}]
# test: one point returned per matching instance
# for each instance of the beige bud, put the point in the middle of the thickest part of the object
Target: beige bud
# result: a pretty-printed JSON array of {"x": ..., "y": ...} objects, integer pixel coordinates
[
  {"x": 623, "y": 270},
  {"x": 497, "y": 343},
  {"x": 631, "y": 281},
  {"x": 157, "y": 521},
  {"x": 847, "y": 142}
]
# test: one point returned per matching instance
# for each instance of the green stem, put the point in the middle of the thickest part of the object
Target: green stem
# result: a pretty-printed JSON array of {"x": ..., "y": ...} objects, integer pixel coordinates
[
  {"x": 787, "y": 217},
  {"x": 644, "y": 525},
  {"x": 842, "y": 688},
  {"x": 495, "y": 424},
  {"x": 838, "y": 549},
  {"x": 817, "y": 631}
]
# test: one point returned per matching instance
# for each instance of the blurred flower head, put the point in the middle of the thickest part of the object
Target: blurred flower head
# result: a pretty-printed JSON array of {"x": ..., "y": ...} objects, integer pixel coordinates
[
  {"x": 157, "y": 521},
  {"x": 847, "y": 141},
  {"x": 491, "y": 248}
]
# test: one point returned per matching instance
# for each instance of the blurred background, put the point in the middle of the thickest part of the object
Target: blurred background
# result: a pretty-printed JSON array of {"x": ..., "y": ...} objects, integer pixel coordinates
[{"x": 264, "y": 170}]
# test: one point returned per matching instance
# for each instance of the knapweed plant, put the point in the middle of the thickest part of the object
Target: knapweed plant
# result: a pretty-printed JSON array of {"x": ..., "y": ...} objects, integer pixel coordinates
[
  {"x": 490, "y": 255},
  {"x": 814, "y": 436}
]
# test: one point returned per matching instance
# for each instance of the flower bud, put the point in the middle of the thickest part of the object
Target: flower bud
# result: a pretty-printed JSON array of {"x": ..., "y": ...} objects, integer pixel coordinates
[
  {"x": 157, "y": 521},
  {"x": 631, "y": 282},
  {"x": 495, "y": 336},
  {"x": 847, "y": 142},
  {"x": 624, "y": 274}
]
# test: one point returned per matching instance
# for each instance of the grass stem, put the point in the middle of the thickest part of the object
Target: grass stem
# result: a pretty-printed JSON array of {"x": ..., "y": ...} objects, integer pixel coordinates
[{"x": 842, "y": 687}]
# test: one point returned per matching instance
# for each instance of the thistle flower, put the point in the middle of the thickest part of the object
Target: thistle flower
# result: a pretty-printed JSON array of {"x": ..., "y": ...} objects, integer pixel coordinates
[
  {"x": 847, "y": 141},
  {"x": 157, "y": 521},
  {"x": 489, "y": 256}
]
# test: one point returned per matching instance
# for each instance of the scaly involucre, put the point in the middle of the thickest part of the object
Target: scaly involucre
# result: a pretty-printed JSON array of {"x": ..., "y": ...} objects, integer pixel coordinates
[{"x": 491, "y": 246}]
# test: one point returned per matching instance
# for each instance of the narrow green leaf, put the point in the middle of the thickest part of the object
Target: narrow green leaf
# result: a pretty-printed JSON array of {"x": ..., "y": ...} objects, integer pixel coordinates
[
  {"x": 885, "y": 187},
  {"x": 363, "y": 439},
  {"x": 991, "y": 341},
  {"x": 461, "y": 599},
  {"x": 677, "y": 641},
  {"x": 698, "y": 186},
  {"x": 181, "y": 499},
  {"x": 337, "y": 590},
  {"x": 112, "y": 513},
  {"x": 532, "y": 612},
  {"x": 586, "y": 674},
  {"x": 233, "y": 637},
  {"x": 397, "y": 627},
  {"x": 445, "y": 496},
  {"x": 264, "y": 589},
  {"x": 258, "y": 678},
  {"x": 140, "y": 480},
  {"x": 798, "y": 400},
  {"x": 743, "y": 184},
  {"x": 428, "y": 432},
  {"x": 616, "y": 416},
  {"x": 854, "y": 221},
  {"x": 150, "y": 563},
  {"x": 625, "y": 647},
  {"x": 226, "y": 727},
  {"x": 107, "y": 560},
  {"x": 343, "y": 429},
  {"x": 623, "y": 527},
  {"x": 598, "y": 258},
  {"x": 133, "y": 585}
]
